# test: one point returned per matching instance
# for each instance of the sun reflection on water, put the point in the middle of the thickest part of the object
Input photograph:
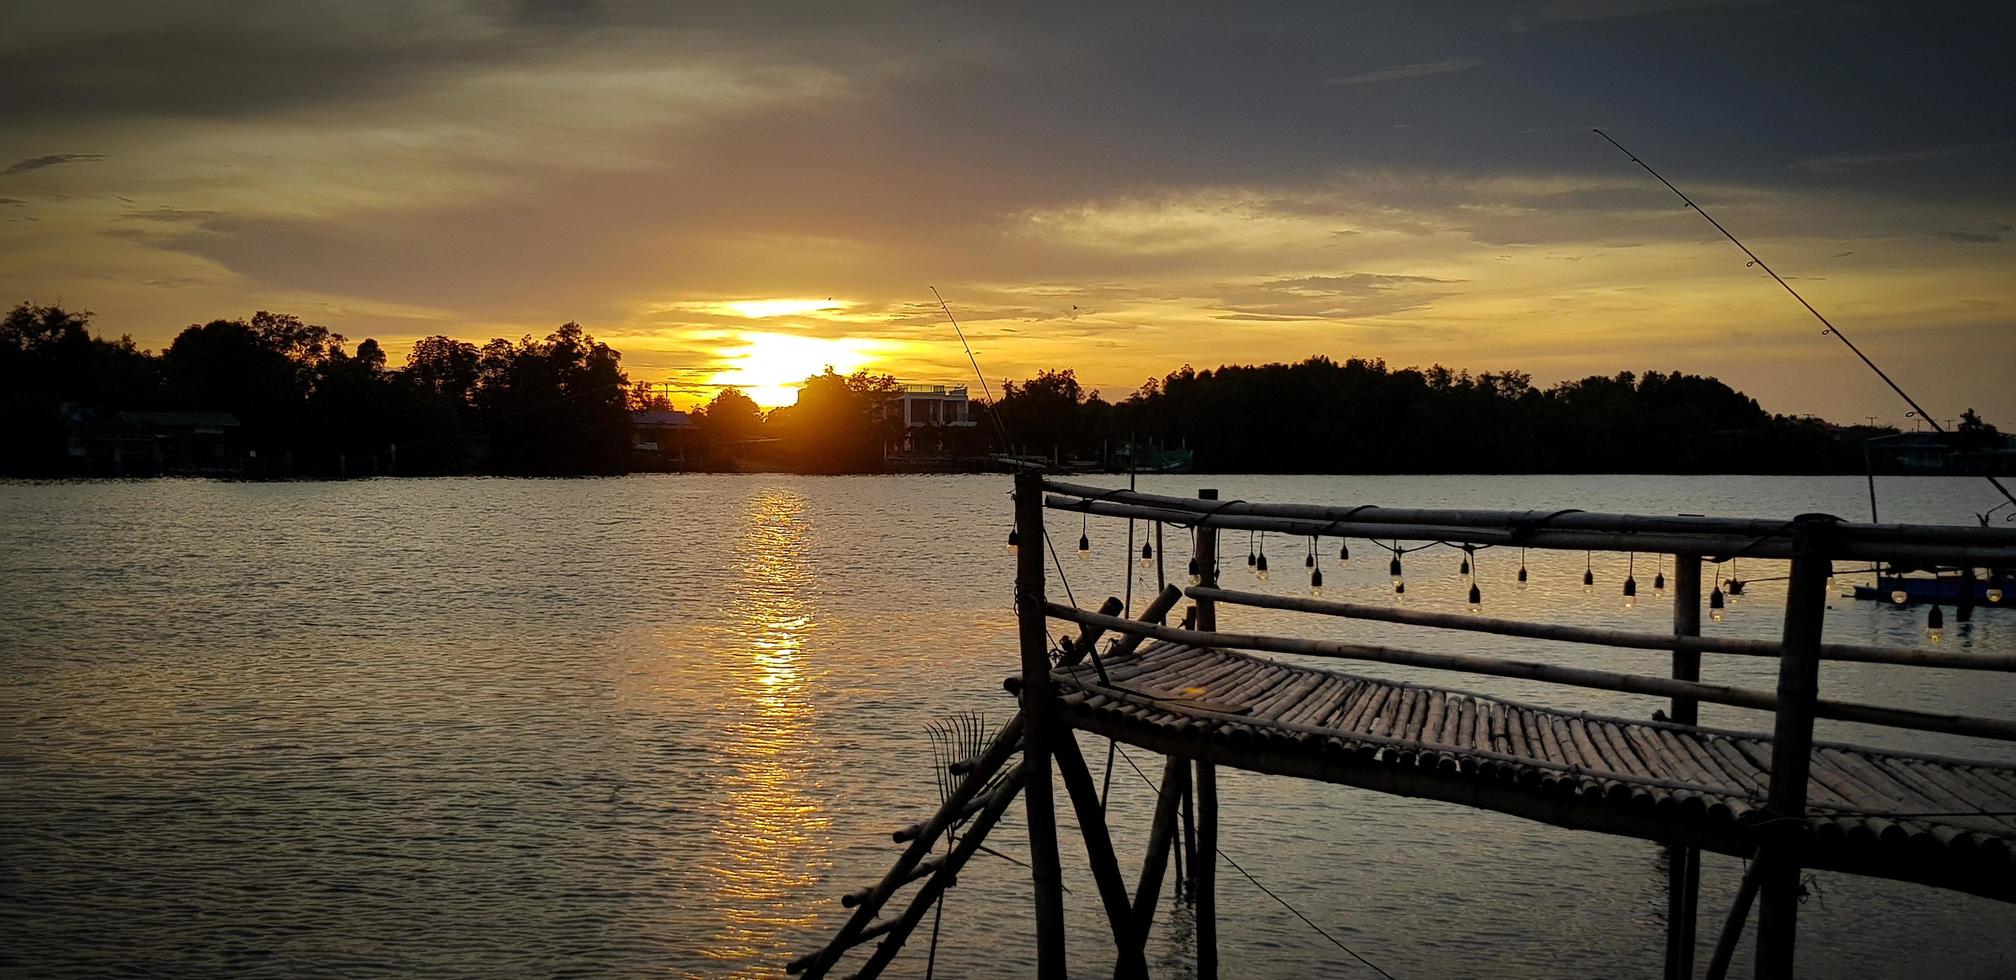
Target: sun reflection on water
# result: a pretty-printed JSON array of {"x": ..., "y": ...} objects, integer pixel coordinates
[{"x": 764, "y": 834}]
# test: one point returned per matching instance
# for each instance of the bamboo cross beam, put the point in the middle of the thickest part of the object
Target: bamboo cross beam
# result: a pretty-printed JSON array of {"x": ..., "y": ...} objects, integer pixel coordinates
[
  {"x": 947, "y": 875},
  {"x": 1605, "y": 680},
  {"x": 997, "y": 754},
  {"x": 1844, "y": 652},
  {"x": 1566, "y": 530}
]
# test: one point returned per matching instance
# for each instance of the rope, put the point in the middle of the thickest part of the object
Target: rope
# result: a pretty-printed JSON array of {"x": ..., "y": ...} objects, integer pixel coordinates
[{"x": 1248, "y": 875}]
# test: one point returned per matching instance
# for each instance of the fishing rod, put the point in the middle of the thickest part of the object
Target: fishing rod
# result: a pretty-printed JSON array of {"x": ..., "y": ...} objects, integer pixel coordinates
[
  {"x": 993, "y": 410},
  {"x": 1831, "y": 328}
]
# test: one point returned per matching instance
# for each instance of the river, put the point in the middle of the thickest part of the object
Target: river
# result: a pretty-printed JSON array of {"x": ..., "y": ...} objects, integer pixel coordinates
[{"x": 658, "y": 725}]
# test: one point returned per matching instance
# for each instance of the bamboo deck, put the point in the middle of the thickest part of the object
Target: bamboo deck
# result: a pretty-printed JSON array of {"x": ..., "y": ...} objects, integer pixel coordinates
[{"x": 1895, "y": 815}]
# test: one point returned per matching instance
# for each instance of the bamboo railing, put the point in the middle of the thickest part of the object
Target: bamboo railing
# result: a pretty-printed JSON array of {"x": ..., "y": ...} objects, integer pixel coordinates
[{"x": 1811, "y": 542}]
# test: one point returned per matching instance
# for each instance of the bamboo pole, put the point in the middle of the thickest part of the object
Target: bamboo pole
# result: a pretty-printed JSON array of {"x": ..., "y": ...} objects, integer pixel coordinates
[
  {"x": 1131, "y": 965},
  {"x": 1791, "y": 754},
  {"x": 1753, "y": 537},
  {"x": 1732, "y": 927},
  {"x": 1161, "y": 841},
  {"x": 921, "y": 845},
  {"x": 1038, "y": 707},
  {"x": 933, "y": 890},
  {"x": 1572, "y": 676},
  {"x": 1683, "y": 863},
  {"x": 1692, "y": 643},
  {"x": 1157, "y": 611},
  {"x": 1089, "y": 635},
  {"x": 1207, "y": 569},
  {"x": 1205, "y": 872}
]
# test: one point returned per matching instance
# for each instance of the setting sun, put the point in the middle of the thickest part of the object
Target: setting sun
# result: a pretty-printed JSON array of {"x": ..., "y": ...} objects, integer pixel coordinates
[{"x": 770, "y": 367}]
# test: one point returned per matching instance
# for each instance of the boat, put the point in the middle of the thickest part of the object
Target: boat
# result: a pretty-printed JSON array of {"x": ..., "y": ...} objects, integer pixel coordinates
[{"x": 1995, "y": 590}]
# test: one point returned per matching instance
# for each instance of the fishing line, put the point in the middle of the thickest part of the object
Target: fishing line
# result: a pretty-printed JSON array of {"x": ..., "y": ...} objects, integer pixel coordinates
[{"x": 1780, "y": 280}]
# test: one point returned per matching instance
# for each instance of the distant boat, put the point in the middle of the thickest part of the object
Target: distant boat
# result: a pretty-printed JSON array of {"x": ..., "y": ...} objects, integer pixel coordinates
[{"x": 1995, "y": 590}]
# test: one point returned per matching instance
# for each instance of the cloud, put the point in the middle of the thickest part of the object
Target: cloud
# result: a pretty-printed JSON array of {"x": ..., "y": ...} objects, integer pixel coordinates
[
  {"x": 1341, "y": 297},
  {"x": 14, "y": 202},
  {"x": 1966, "y": 237},
  {"x": 1835, "y": 163},
  {"x": 168, "y": 215},
  {"x": 1443, "y": 67},
  {"x": 52, "y": 160}
]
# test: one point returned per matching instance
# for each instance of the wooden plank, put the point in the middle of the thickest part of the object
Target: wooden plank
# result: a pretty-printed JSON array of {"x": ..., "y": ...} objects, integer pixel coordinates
[{"x": 1099, "y": 853}]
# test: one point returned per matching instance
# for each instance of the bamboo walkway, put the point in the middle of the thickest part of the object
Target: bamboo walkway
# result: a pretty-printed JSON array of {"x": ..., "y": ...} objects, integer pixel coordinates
[
  {"x": 1206, "y": 699},
  {"x": 1940, "y": 821}
]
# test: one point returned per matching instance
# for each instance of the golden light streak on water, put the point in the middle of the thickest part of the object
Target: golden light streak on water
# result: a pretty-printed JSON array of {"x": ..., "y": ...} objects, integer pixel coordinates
[{"x": 764, "y": 834}]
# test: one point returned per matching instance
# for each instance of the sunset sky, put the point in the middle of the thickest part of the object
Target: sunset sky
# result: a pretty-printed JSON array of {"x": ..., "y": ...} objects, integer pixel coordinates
[{"x": 742, "y": 193}]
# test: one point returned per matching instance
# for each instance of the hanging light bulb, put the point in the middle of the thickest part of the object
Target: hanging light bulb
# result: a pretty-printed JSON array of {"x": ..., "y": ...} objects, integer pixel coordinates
[
  {"x": 1315, "y": 581},
  {"x": 1393, "y": 569},
  {"x": 1476, "y": 599},
  {"x": 1196, "y": 577},
  {"x": 1522, "y": 568},
  {"x": 1260, "y": 568},
  {"x": 1147, "y": 554},
  {"x": 1588, "y": 574},
  {"x": 1899, "y": 596},
  {"x": 1249, "y": 549},
  {"x": 1343, "y": 550},
  {"x": 1935, "y": 624},
  {"x": 1659, "y": 581},
  {"x": 1309, "y": 560},
  {"x": 1085, "y": 536},
  {"x": 1994, "y": 596},
  {"x": 1715, "y": 604},
  {"x": 1014, "y": 541},
  {"x": 1464, "y": 569},
  {"x": 1399, "y": 589},
  {"x": 1630, "y": 592}
]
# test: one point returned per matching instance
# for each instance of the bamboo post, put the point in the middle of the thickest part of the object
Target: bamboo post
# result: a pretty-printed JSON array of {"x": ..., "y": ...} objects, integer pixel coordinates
[
  {"x": 1039, "y": 714},
  {"x": 1732, "y": 927},
  {"x": 1161, "y": 840},
  {"x": 1683, "y": 864},
  {"x": 1205, "y": 871},
  {"x": 1131, "y": 964},
  {"x": 1204, "y": 853},
  {"x": 1207, "y": 569},
  {"x": 1792, "y": 750}
]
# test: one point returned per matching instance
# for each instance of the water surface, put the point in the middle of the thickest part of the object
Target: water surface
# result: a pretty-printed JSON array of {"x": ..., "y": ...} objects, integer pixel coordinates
[{"x": 657, "y": 725}]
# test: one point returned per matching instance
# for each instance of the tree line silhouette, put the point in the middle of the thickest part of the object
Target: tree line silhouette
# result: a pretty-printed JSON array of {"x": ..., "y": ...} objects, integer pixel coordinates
[{"x": 562, "y": 405}]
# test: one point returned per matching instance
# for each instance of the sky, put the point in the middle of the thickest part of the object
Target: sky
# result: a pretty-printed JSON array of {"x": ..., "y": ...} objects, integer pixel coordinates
[{"x": 742, "y": 193}]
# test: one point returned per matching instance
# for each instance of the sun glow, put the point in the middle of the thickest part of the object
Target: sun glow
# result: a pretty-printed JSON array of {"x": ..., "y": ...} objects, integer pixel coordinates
[
  {"x": 758, "y": 309},
  {"x": 770, "y": 367}
]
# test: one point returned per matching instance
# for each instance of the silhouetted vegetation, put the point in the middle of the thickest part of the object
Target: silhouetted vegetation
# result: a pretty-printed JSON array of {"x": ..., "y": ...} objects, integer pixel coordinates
[{"x": 304, "y": 403}]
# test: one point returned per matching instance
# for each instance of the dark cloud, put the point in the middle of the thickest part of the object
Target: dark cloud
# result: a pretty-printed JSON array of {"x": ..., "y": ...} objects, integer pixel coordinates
[
  {"x": 1967, "y": 237},
  {"x": 51, "y": 160},
  {"x": 1443, "y": 67},
  {"x": 169, "y": 215},
  {"x": 13, "y": 202}
]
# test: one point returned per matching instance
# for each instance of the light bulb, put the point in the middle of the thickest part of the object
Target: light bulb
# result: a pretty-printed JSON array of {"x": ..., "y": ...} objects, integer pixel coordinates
[
  {"x": 1393, "y": 569},
  {"x": 1935, "y": 635},
  {"x": 1309, "y": 560},
  {"x": 1343, "y": 551},
  {"x": 1476, "y": 599},
  {"x": 1399, "y": 587},
  {"x": 1249, "y": 558},
  {"x": 1715, "y": 604},
  {"x": 1522, "y": 576},
  {"x": 1994, "y": 596},
  {"x": 1659, "y": 582},
  {"x": 1588, "y": 580},
  {"x": 1147, "y": 554},
  {"x": 1084, "y": 546},
  {"x": 1196, "y": 577},
  {"x": 1014, "y": 542},
  {"x": 1935, "y": 623},
  {"x": 1899, "y": 596},
  {"x": 1315, "y": 581},
  {"x": 1260, "y": 568},
  {"x": 1464, "y": 569}
]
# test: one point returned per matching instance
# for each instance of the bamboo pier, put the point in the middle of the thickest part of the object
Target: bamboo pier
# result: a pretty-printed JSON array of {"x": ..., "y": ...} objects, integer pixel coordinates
[{"x": 1206, "y": 698}]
